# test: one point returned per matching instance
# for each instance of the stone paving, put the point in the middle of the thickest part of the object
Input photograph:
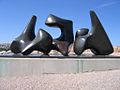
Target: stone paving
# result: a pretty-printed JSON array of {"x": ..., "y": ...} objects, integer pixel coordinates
[{"x": 102, "y": 80}]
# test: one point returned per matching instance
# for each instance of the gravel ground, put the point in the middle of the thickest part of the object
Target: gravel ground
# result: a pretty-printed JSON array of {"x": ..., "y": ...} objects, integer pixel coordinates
[{"x": 102, "y": 80}]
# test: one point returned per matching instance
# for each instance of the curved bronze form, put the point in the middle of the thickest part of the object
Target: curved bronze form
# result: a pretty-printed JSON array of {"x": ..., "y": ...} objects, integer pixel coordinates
[
  {"x": 81, "y": 32},
  {"x": 42, "y": 42},
  {"x": 25, "y": 38},
  {"x": 66, "y": 38},
  {"x": 96, "y": 40}
]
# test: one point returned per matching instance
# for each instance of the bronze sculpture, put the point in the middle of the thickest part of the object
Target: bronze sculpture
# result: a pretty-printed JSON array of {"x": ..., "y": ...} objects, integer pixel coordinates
[
  {"x": 63, "y": 42},
  {"x": 96, "y": 40},
  {"x": 42, "y": 42},
  {"x": 27, "y": 42},
  {"x": 25, "y": 38}
]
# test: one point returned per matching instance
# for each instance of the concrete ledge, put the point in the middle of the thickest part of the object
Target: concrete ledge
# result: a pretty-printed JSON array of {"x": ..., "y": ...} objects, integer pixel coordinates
[{"x": 36, "y": 66}]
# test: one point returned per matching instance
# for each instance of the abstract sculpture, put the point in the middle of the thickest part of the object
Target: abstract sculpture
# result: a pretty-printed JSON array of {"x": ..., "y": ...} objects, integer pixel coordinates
[
  {"x": 42, "y": 42},
  {"x": 25, "y": 38},
  {"x": 27, "y": 42},
  {"x": 66, "y": 38},
  {"x": 96, "y": 40}
]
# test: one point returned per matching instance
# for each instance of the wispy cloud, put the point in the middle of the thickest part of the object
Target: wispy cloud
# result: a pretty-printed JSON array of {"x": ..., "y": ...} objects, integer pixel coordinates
[{"x": 108, "y": 4}]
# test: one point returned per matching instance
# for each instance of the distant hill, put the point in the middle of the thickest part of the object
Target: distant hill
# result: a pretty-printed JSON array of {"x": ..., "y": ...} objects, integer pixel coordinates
[{"x": 4, "y": 46}]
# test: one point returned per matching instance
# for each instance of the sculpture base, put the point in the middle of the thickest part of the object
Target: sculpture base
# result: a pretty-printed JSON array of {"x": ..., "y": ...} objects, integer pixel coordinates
[
  {"x": 36, "y": 65},
  {"x": 57, "y": 56}
]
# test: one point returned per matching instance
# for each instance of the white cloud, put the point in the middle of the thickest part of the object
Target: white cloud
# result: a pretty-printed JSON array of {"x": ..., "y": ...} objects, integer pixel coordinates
[{"x": 108, "y": 4}]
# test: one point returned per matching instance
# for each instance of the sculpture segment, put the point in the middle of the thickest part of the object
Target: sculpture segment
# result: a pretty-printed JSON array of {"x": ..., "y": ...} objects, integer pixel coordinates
[
  {"x": 66, "y": 38},
  {"x": 42, "y": 42},
  {"x": 96, "y": 40},
  {"x": 82, "y": 32},
  {"x": 25, "y": 38},
  {"x": 100, "y": 34},
  {"x": 80, "y": 41}
]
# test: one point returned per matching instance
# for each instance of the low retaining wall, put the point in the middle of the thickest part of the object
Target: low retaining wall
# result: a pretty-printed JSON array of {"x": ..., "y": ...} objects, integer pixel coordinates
[{"x": 37, "y": 66}]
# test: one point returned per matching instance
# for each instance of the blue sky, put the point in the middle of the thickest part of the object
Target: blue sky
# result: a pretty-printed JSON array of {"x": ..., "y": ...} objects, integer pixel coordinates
[{"x": 15, "y": 14}]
